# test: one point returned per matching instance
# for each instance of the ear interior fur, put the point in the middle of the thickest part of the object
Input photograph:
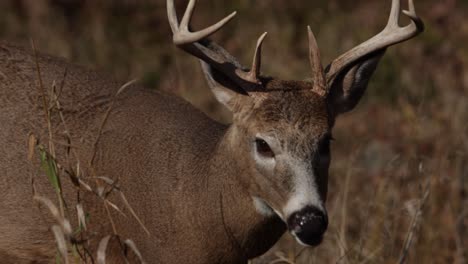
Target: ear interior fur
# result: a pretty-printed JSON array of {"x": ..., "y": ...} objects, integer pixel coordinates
[{"x": 225, "y": 90}]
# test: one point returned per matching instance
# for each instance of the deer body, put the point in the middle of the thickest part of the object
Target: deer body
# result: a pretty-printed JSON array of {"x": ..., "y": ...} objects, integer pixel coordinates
[
  {"x": 206, "y": 192},
  {"x": 200, "y": 192}
]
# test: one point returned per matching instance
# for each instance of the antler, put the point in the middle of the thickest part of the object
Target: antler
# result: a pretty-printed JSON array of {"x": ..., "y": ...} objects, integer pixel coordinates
[
  {"x": 197, "y": 44},
  {"x": 318, "y": 74},
  {"x": 254, "y": 74},
  {"x": 392, "y": 34}
]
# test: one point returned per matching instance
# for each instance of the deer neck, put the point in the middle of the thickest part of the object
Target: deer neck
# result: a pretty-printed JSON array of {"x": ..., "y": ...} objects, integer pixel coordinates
[{"x": 250, "y": 232}]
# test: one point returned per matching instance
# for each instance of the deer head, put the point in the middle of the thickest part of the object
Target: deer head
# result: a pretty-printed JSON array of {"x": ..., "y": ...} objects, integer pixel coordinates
[{"x": 281, "y": 130}]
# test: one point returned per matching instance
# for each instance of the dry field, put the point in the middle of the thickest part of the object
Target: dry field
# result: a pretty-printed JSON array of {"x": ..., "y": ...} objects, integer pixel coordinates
[{"x": 399, "y": 176}]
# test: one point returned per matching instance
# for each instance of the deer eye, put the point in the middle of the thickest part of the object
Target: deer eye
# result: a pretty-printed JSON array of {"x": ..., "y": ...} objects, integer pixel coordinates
[{"x": 263, "y": 148}]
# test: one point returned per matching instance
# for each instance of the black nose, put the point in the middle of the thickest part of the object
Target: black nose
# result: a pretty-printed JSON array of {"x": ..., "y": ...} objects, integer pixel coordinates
[{"x": 308, "y": 225}]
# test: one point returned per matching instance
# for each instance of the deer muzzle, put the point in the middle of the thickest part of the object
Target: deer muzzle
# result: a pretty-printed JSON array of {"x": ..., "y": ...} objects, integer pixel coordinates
[{"x": 308, "y": 225}]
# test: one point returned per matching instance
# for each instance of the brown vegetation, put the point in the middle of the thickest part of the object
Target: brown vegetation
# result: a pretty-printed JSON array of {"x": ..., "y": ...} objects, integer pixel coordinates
[{"x": 409, "y": 137}]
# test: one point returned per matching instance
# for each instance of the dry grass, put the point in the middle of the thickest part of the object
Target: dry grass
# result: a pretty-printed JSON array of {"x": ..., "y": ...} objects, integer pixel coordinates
[
  {"x": 407, "y": 138},
  {"x": 73, "y": 239}
]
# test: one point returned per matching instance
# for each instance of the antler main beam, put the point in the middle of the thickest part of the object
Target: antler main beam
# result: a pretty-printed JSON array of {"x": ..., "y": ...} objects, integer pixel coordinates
[
  {"x": 211, "y": 53},
  {"x": 391, "y": 35}
]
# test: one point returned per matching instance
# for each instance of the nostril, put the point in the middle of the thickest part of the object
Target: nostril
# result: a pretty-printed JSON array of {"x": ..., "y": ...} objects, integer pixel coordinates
[
  {"x": 308, "y": 225},
  {"x": 310, "y": 219}
]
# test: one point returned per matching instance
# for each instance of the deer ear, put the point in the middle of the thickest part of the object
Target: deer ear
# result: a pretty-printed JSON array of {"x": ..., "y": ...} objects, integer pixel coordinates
[
  {"x": 348, "y": 87},
  {"x": 225, "y": 90}
]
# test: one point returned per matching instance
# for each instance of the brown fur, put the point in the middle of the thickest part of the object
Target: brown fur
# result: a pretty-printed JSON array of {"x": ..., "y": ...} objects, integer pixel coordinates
[{"x": 169, "y": 157}]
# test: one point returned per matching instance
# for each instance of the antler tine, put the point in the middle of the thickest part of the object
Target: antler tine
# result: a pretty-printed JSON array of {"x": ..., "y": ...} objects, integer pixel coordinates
[
  {"x": 172, "y": 16},
  {"x": 416, "y": 21},
  {"x": 184, "y": 24},
  {"x": 254, "y": 73},
  {"x": 316, "y": 64},
  {"x": 182, "y": 35},
  {"x": 394, "y": 14},
  {"x": 391, "y": 35}
]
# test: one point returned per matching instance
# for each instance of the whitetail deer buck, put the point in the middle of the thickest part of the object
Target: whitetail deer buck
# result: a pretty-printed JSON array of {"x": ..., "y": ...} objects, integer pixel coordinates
[{"x": 206, "y": 192}]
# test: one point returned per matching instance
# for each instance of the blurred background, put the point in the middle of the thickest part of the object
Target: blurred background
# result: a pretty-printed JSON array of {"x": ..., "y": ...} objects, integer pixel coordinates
[{"x": 399, "y": 176}]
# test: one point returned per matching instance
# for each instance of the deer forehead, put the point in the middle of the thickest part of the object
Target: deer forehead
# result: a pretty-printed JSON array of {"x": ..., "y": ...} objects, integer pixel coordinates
[{"x": 290, "y": 111}]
